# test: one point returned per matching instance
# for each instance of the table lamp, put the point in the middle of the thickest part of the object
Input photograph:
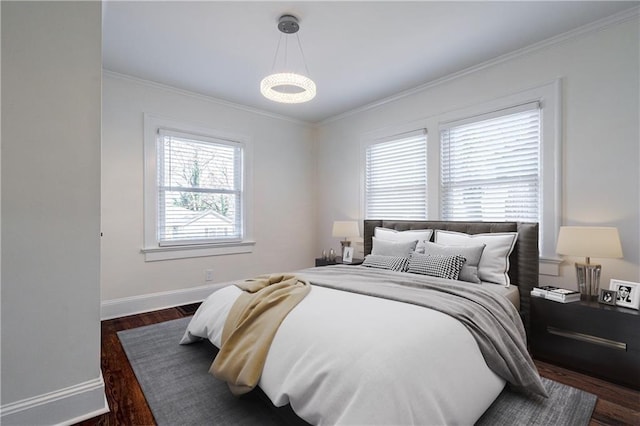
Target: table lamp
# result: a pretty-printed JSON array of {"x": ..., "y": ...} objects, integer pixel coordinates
[
  {"x": 345, "y": 229},
  {"x": 589, "y": 241}
]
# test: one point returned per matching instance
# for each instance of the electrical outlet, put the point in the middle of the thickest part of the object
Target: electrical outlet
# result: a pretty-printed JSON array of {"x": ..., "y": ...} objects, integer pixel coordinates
[{"x": 208, "y": 275}]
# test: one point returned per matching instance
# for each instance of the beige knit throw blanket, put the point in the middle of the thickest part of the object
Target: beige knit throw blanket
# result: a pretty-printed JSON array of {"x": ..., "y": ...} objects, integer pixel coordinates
[{"x": 251, "y": 326}]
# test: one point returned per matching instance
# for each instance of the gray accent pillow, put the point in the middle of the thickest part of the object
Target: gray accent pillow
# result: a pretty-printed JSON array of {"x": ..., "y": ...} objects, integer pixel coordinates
[
  {"x": 469, "y": 271},
  {"x": 394, "y": 263},
  {"x": 436, "y": 266},
  {"x": 391, "y": 248}
]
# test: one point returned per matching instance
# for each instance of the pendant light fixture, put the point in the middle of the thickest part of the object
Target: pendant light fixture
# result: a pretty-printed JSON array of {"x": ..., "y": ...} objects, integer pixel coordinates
[{"x": 286, "y": 86}]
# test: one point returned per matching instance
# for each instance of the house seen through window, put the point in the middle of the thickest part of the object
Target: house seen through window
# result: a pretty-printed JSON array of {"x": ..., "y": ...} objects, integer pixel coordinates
[{"x": 199, "y": 189}]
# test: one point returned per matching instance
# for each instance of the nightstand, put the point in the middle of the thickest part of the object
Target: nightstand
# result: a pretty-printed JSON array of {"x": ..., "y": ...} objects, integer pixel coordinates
[
  {"x": 598, "y": 339},
  {"x": 324, "y": 262}
]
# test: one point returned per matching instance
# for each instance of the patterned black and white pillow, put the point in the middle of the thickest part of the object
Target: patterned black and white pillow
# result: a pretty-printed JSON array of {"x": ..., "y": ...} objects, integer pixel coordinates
[
  {"x": 436, "y": 265},
  {"x": 469, "y": 271},
  {"x": 394, "y": 263}
]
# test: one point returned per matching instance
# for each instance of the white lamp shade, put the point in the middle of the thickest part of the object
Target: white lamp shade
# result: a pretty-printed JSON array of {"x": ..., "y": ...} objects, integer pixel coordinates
[
  {"x": 345, "y": 229},
  {"x": 589, "y": 241}
]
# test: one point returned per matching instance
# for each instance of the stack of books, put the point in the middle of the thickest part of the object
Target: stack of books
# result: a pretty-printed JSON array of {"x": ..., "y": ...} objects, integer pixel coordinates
[{"x": 556, "y": 294}]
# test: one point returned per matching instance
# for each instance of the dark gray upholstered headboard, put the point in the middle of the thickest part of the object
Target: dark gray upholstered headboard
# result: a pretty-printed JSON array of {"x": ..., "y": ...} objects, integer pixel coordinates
[{"x": 524, "y": 260}]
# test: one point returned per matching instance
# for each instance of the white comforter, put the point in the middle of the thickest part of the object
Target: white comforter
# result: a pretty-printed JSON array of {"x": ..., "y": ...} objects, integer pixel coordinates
[{"x": 345, "y": 358}]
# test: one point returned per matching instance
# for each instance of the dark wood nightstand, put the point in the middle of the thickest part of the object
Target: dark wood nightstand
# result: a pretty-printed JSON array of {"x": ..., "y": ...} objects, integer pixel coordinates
[
  {"x": 324, "y": 262},
  {"x": 598, "y": 339}
]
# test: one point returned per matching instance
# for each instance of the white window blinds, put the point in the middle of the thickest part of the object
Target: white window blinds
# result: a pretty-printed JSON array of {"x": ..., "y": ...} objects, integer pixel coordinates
[
  {"x": 490, "y": 166},
  {"x": 199, "y": 189},
  {"x": 396, "y": 177}
]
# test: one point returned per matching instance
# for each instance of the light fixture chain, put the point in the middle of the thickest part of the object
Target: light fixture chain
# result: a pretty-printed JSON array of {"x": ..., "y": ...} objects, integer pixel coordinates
[
  {"x": 304, "y": 59},
  {"x": 286, "y": 51},
  {"x": 275, "y": 57}
]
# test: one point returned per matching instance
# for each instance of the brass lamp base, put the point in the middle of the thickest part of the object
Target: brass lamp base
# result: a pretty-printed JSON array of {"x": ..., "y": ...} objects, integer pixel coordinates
[{"x": 588, "y": 280}]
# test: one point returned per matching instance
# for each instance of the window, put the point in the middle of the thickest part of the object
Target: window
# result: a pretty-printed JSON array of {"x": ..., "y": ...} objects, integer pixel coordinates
[
  {"x": 396, "y": 177},
  {"x": 490, "y": 166},
  {"x": 536, "y": 110},
  {"x": 199, "y": 189},
  {"x": 196, "y": 191},
  {"x": 495, "y": 161}
]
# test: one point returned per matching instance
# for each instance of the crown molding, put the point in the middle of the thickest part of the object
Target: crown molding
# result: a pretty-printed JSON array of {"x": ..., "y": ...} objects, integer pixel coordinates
[
  {"x": 593, "y": 27},
  {"x": 200, "y": 96},
  {"x": 587, "y": 29}
]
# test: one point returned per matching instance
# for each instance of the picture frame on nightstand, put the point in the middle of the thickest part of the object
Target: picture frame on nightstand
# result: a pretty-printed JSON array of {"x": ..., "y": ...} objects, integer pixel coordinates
[
  {"x": 607, "y": 297},
  {"x": 347, "y": 255},
  {"x": 627, "y": 293}
]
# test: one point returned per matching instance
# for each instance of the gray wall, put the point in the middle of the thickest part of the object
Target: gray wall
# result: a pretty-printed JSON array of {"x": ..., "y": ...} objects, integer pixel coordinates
[{"x": 51, "y": 81}]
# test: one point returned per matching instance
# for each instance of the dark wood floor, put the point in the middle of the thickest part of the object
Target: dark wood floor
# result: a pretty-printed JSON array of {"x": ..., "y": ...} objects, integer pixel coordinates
[{"x": 616, "y": 405}]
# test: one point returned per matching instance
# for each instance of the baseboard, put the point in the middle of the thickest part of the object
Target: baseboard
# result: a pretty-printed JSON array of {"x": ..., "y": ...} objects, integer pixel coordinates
[
  {"x": 62, "y": 407},
  {"x": 116, "y": 308}
]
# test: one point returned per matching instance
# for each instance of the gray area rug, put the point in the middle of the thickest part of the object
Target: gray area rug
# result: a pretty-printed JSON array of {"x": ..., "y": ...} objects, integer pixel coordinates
[{"x": 180, "y": 391}]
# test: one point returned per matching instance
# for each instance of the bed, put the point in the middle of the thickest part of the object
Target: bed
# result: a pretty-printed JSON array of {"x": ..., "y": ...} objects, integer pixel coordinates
[{"x": 347, "y": 354}]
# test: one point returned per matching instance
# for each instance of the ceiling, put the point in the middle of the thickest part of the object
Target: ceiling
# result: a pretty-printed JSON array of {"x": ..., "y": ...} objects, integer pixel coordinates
[{"x": 356, "y": 52}]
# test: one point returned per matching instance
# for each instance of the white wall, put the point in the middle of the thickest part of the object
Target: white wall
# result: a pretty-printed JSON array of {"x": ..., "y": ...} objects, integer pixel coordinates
[
  {"x": 601, "y": 182},
  {"x": 283, "y": 198},
  {"x": 51, "y": 58}
]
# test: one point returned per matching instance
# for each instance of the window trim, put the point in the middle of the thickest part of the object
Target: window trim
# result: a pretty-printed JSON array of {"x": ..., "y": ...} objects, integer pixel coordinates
[
  {"x": 152, "y": 249},
  {"x": 417, "y": 132},
  {"x": 238, "y": 191},
  {"x": 516, "y": 109},
  {"x": 549, "y": 97},
  {"x": 383, "y": 135}
]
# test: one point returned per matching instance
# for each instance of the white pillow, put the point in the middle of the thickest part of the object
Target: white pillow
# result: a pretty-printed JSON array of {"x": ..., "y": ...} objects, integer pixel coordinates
[
  {"x": 421, "y": 235},
  {"x": 391, "y": 248},
  {"x": 494, "y": 262}
]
